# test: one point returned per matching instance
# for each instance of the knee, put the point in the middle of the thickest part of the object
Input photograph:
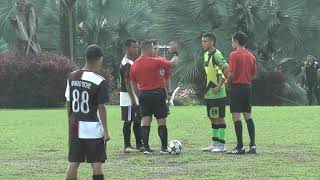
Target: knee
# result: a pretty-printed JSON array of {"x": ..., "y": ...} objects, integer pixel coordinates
[
  {"x": 127, "y": 123},
  {"x": 73, "y": 166},
  {"x": 97, "y": 168},
  {"x": 162, "y": 122}
]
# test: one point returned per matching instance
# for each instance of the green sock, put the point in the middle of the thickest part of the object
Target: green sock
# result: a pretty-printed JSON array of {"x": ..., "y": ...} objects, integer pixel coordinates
[
  {"x": 215, "y": 134},
  {"x": 222, "y": 133}
]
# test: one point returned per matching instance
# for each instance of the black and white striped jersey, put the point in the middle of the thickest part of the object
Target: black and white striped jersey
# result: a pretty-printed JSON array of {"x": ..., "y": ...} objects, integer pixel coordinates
[{"x": 85, "y": 91}]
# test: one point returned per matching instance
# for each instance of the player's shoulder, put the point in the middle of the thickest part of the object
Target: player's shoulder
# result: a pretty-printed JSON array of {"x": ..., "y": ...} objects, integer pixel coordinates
[
  {"x": 218, "y": 54},
  {"x": 233, "y": 54},
  {"x": 75, "y": 74},
  {"x": 251, "y": 54},
  {"x": 92, "y": 77}
]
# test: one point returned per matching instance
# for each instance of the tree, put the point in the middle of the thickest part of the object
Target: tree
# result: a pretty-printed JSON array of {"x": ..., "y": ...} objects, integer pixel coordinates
[
  {"x": 67, "y": 27},
  {"x": 276, "y": 29},
  {"x": 24, "y": 21}
]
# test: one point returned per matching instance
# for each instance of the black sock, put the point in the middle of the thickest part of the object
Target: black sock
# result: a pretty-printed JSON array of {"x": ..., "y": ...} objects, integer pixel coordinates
[
  {"x": 163, "y": 134},
  {"x": 137, "y": 134},
  {"x": 145, "y": 135},
  {"x": 251, "y": 131},
  {"x": 127, "y": 133},
  {"x": 97, "y": 177},
  {"x": 238, "y": 129}
]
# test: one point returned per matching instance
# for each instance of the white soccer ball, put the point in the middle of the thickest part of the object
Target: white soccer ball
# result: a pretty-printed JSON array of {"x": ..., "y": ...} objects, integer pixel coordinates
[{"x": 175, "y": 147}]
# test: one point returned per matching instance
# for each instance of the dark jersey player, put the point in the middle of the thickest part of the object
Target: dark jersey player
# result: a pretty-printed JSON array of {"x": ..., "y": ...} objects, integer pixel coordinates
[
  {"x": 86, "y": 94},
  {"x": 128, "y": 100}
]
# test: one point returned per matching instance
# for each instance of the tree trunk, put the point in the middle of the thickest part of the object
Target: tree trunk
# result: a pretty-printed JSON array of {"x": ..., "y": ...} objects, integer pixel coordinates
[{"x": 67, "y": 28}]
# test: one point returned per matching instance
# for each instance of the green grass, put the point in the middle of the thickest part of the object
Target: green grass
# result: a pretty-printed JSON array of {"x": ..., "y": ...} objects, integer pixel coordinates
[{"x": 33, "y": 145}]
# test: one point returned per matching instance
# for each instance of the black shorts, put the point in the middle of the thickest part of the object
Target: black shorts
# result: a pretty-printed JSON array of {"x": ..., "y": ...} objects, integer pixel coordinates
[
  {"x": 240, "y": 98},
  {"x": 153, "y": 102},
  {"x": 216, "y": 108},
  {"x": 89, "y": 150},
  {"x": 129, "y": 114}
]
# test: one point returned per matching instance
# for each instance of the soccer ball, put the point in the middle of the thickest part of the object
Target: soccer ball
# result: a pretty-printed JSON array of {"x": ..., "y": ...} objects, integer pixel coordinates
[{"x": 175, "y": 147}]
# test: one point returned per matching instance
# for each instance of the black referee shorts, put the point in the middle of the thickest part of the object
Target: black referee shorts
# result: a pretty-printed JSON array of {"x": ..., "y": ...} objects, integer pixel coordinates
[
  {"x": 89, "y": 150},
  {"x": 240, "y": 98},
  {"x": 153, "y": 102}
]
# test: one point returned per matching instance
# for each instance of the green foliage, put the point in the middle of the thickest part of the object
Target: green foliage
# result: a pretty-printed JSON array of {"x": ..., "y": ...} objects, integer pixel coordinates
[
  {"x": 280, "y": 32},
  {"x": 276, "y": 29}
]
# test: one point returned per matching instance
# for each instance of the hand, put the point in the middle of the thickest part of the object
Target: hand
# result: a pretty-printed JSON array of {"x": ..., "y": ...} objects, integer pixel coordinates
[
  {"x": 106, "y": 137},
  {"x": 217, "y": 89},
  {"x": 175, "y": 60},
  {"x": 133, "y": 104}
]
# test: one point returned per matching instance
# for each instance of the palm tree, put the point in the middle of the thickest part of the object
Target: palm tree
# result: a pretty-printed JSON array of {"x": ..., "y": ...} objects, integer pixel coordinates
[
  {"x": 67, "y": 27},
  {"x": 109, "y": 23},
  {"x": 276, "y": 29}
]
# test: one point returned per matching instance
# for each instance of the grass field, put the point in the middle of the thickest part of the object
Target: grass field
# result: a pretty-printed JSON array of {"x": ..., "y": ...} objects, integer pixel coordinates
[{"x": 33, "y": 145}]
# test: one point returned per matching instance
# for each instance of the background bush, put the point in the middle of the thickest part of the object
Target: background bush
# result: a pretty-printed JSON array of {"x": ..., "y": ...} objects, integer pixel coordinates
[{"x": 33, "y": 81}]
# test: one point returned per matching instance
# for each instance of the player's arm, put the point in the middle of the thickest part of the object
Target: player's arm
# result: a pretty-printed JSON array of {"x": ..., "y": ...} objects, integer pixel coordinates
[
  {"x": 68, "y": 104},
  {"x": 127, "y": 82},
  {"x": 103, "y": 118},
  {"x": 135, "y": 88},
  {"x": 254, "y": 69},
  {"x": 222, "y": 63},
  {"x": 102, "y": 98},
  {"x": 69, "y": 111},
  {"x": 168, "y": 86},
  {"x": 133, "y": 79},
  {"x": 231, "y": 69},
  {"x": 174, "y": 61}
]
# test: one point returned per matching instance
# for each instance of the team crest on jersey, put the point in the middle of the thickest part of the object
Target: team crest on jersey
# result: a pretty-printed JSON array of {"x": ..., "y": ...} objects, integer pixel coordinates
[{"x": 162, "y": 72}]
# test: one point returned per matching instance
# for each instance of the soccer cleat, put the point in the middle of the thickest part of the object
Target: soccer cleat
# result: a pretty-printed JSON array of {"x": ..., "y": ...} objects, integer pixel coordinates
[
  {"x": 219, "y": 148},
  {"x": 129, "y": 149},
  {"x": 252, "y": 150},
  {"x": 140, "y": 149},
  {"x": 238, "y": 151},
  {"x": 164, "y": 151},
  {"x": 147, "y": 151},
  {"x": 209, "y": 148}
]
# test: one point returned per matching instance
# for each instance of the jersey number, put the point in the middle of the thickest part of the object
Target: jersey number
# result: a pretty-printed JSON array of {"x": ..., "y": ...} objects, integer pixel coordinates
[{"x": 80, "y": 104}]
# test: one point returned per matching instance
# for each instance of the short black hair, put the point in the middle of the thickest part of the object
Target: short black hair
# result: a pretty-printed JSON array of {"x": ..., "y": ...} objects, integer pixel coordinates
[
  {"x": 241, "y": 37},
  {"x": 155, "y": 41},
  {"x": 129, "y": 42},
  {"x": 145, "y": 44},
  {"x": 93, "y": 53},
  {"x": 211, "y": 36}
]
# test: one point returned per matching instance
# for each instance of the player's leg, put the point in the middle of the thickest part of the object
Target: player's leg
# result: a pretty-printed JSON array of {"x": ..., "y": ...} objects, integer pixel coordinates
[
  {"x": 145, "y": 103},
  {"x": 163, "y": 134},
  {"x": 72, "y": 170},
  {"x": 97, "y": 173},
  {"x": 220, "y": 125},
  {"x": 212, "y": 113},
  {"x": 76, "y": 156},
  {"x": 251, "y": 131},
  {"x": 96, "y": 155},
  {"x": 248, "y": 118},
  {"x": 160, "y": 110},
  {"x": 126, "y": 129},
  {"x": 236, "y": 109},
  {"x": 136, "y": 117},
  {"x": 145, "y": 132}
]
